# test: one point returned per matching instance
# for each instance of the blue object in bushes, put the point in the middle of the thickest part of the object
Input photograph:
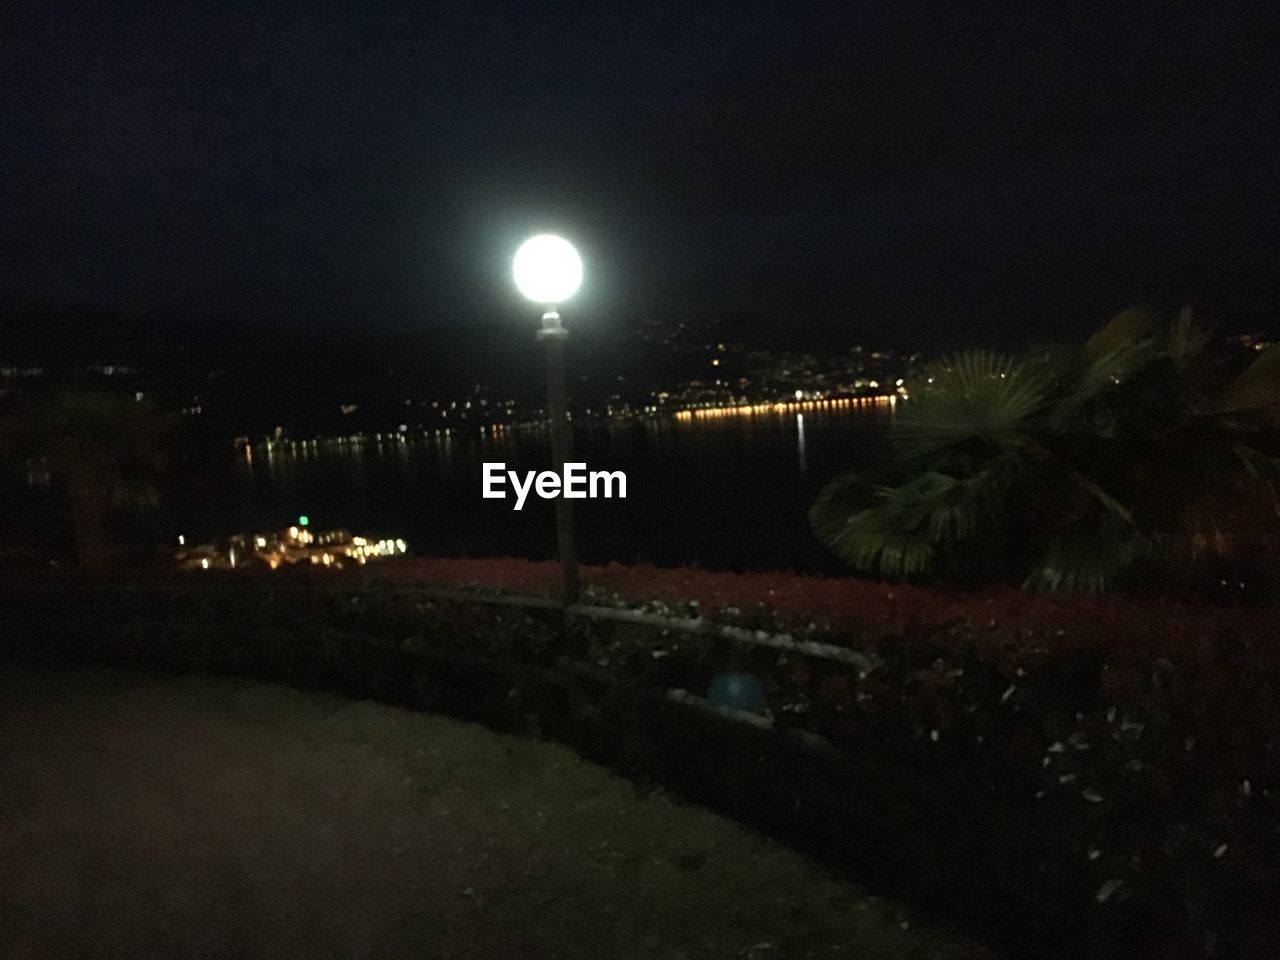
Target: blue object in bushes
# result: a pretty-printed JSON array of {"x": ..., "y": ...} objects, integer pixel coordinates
[{"x": 739, "y": 691}]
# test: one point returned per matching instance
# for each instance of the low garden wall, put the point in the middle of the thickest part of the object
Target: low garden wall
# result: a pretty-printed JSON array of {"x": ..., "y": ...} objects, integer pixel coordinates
[{"x": 1066, "y": 792}]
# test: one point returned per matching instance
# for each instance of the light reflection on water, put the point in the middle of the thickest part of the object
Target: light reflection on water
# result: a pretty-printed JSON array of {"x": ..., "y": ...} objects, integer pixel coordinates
[
  {"x": 723, "y": 492},
  {"x": 727, "y": 492}
]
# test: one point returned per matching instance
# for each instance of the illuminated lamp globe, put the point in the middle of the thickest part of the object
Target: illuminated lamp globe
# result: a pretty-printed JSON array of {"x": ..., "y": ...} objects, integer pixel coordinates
[{"x": 547, "y": 269}]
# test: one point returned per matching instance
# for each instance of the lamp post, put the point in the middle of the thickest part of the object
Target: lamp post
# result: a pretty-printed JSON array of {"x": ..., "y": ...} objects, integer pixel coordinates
[{"x": 548, "y": 271}]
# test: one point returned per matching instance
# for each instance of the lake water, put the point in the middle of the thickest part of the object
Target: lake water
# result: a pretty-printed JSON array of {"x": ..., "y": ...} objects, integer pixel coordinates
[{"x": 723, "y": 492}]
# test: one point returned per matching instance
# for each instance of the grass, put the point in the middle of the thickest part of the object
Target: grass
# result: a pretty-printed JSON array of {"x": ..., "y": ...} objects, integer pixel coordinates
[{"x": 568, "y": 860}]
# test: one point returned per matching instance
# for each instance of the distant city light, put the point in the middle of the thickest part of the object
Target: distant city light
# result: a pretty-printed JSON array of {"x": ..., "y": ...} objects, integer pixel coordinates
[
  {"x": 547, "y": 269},
  {"x": 753, "y": 409},
  {"x": 291, "y": 547}
]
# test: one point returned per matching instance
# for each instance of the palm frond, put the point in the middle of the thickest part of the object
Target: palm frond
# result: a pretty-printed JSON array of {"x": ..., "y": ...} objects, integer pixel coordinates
[
  {"x": 909, "y": 528},
  {"x": 877, "y": 539},
  {"x": 1257, "y": 464},
  {"x": 876, "y": 548},
  {"x": 1186, "y": 342},
  {"x": 1255, "y": 389},
  {"x": 1126, "y": 327},
  {"x": 973, "y": 395},
  {"x": 1089, "y": 561},
  {"x": 1113, "y": 506},
  {"x": 840, "y": 499},
  {"x": 1099, "y": 374}
]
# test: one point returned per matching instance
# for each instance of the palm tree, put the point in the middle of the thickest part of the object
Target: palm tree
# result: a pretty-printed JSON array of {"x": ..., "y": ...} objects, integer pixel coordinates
[
  {"x": 1148, "y": 449},
  {"x": 104, "y": 450}
]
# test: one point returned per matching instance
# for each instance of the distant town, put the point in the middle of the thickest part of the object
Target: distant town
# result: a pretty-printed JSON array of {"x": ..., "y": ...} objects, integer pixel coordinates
[
  {"x": 685, "y": 368},
  {"x": 673, "y": 369}
]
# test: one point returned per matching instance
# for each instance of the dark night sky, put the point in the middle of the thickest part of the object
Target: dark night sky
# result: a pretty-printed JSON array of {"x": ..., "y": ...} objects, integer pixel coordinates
[{"x": 896, "y": 169}]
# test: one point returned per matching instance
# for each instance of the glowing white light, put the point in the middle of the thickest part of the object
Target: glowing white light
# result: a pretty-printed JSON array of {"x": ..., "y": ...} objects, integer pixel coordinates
[{"x": 547, "y": 269}]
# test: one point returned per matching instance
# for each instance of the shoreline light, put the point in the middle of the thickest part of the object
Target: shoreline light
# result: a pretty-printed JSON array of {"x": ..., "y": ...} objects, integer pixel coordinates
[{"x": 786, "y": 406}]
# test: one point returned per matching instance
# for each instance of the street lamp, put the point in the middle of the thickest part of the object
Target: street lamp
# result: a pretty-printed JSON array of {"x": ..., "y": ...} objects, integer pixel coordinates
[{"x": 548, "y": 271}]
